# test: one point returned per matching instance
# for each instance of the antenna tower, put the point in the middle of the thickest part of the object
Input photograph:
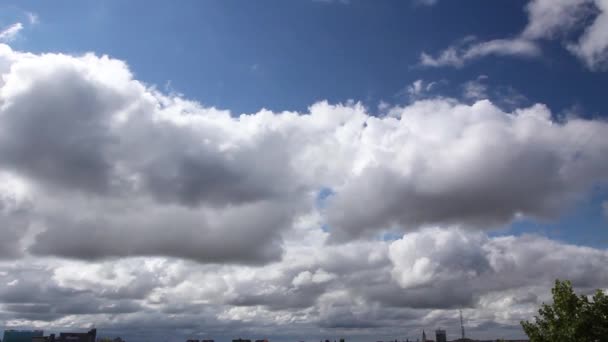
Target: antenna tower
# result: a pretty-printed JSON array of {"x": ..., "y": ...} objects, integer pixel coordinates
[{"x": 461, "y": 325}]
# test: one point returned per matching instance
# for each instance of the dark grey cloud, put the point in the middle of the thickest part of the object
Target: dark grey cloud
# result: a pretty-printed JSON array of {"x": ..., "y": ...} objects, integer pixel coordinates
[
  {"x": 31, "y": 293},
  {"x": 500, "y": 280},
  {"x": 56, "y": 129},
  {"x": 14, "y": 221},
  {"x": 172, "y": 231},
  {"x": 447, "y": 295},
  {"x": 190, "y": 166}
]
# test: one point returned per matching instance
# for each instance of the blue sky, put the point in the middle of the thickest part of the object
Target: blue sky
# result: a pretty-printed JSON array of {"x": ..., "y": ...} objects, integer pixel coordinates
[
  {"x": 291, "y": 54},
  {"x": 299, "y": 170}
]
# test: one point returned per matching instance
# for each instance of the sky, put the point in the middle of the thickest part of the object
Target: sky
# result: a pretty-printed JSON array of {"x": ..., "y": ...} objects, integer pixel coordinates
[{"x": 299, "y": 170}]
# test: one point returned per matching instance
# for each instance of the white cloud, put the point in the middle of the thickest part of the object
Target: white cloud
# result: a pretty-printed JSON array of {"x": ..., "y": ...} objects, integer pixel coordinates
[
  {"x": 124, "y": 206},
  {"x": 459, "y": 55},
  {"x": 32, "y": 18},
  {"x": 475, "y": 89},
  {"x": 547, "y": 19},
  {"x": 483, "y": 267},
  {"x": 225, "y": 188},
  {"x": 417, "y": 90},
  {"x": 501, "y": 279},
  {"x": 10, "y": 33},
  {"x": 428, "y": 257},
  {"x": 592, "y": 46},
  {"x": 437, "y": 161}
]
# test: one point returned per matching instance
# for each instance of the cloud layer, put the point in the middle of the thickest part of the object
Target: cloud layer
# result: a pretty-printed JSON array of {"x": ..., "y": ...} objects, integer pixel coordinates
[
  {"x": 124, "y": 206},
  {"x": 180, "y": 179}
]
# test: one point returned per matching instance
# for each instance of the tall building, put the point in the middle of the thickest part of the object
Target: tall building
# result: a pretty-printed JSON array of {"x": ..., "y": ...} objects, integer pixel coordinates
[
  {"x": 440, "y": 336},
  {"x": 50, "y": 338},
  {"x": 78, "y": 337},
  {"x": 21, "y": 335},
  {"x": 423, "y": 336}
]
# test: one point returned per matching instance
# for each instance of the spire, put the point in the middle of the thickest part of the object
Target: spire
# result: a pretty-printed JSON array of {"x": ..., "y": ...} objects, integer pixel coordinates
[
  {"x": 423, "y": 336},
  {"x": 461, "y": 325}
]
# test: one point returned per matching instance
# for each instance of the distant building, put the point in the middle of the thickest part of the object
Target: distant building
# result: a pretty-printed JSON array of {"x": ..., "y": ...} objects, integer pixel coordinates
[
  {"x": 109, "y": 339},
  {"x": 78, "y": 337},
  {"x": 424, "y": 339},
  {"x": 21, "y": 335},
  {"x": 207, "y": 341},
  {"x": 440, "y": 335},
  {"x": 50, "y": 338},
  {"x": 241, "y": 340}
]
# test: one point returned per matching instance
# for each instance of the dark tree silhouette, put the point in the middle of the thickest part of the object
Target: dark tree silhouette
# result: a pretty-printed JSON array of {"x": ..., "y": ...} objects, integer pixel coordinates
[{"x": 571, "y": 317}]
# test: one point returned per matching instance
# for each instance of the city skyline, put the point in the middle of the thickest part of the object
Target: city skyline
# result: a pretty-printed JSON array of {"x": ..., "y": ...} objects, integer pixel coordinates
[{"x": 92, "y": 336}]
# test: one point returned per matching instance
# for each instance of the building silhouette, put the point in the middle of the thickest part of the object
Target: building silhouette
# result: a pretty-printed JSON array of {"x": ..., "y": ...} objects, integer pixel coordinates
[
  {"x": 78, "y": 337},
  {"x": 440, "y": 336},
  {"x": 50, "y": 338},
  {"x": 21, "y": 335}
]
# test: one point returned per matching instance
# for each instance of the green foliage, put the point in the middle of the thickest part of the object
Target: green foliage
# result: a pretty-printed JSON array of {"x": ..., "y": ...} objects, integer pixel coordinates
[{"x": 571, "y": 318}]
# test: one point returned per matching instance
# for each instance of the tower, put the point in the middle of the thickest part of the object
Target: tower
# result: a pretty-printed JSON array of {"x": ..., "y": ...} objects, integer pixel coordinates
[
  {"x": 461, "y": 325},
  {"x": 440, "y": 336},
  {"x": 423, "y": 336}
]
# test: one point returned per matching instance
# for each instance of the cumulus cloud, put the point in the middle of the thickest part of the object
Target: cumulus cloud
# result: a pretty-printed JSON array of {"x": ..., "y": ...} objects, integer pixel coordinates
[
  {"x": 369, "y": 286},
  {"x": 114, "y": 168},
  {"x": 107, "y": 144},
  {"x": 438, "y": 257},
  {"x": 453, "y": 163},
  {"x": 546, "y": 20},
  {"x": 124, "y": 206}
]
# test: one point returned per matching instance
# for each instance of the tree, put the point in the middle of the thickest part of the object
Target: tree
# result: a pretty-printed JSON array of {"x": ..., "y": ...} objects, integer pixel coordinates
[{"x": 571, "y": 317}]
